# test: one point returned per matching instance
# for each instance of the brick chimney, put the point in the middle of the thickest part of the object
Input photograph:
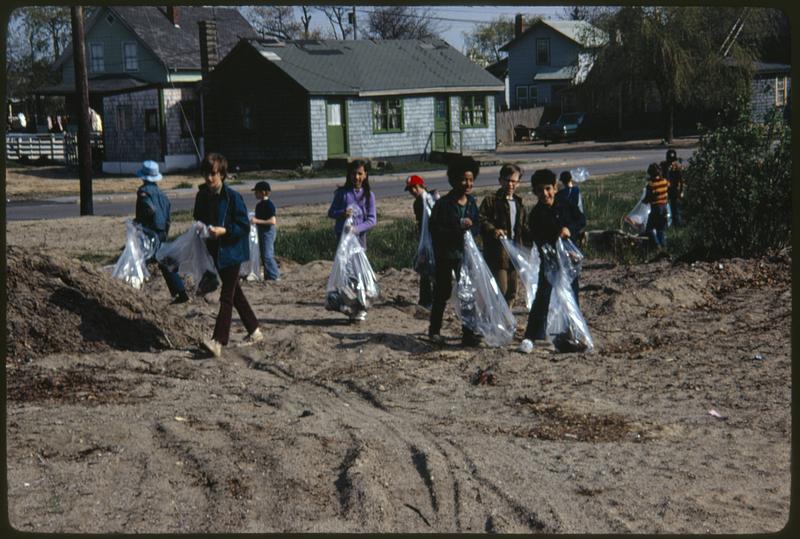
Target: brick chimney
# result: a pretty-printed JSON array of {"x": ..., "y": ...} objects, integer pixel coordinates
[
  {"x": 209, "y": 47},
  {"x": 172, "y": 15},
  {"x": 519, "y": 25}
]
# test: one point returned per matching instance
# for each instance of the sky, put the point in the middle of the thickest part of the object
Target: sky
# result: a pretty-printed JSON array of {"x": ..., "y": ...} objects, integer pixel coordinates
[{"x": 454, "y": 20}]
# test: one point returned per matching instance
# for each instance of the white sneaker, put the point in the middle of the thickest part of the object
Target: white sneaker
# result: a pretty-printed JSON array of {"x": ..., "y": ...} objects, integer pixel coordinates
[
  {"x": 360, "y": 316},
  {"x": 254, "y": 337},
  {"x": 525, "y": 347},
  {"x": 213, "y": 346}
]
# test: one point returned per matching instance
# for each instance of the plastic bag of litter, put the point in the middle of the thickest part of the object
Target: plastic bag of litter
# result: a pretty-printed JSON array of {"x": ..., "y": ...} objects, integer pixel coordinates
[
  {"x": 565, "y": 322},
  {"x": 131, "y": 266},
  {"x": 478, "y": 301},
  {"x": 423, "y": 260},
  {"x": 526, "y": 262},
  {"x": 579, "y": 174},
  {"x": 352, "y": 283},
  {"x": 188, "y": 255},
  {"x": 637, "y": 217},
  {"x": 251, "y": 269}
]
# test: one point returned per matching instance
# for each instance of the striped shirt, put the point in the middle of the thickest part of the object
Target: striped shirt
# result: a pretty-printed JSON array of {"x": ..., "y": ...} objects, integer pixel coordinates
[{"x": 658, "y": 191}]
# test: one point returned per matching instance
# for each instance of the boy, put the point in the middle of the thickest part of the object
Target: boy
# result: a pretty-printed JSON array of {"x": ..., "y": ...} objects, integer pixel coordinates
[
  {"x": 502, "y": 216},
  {"x": 152, "y": 212},
  {"x": 569, "y": 190},
  {"x": 452, "y": 216},
  {"x": 547, "y": 222},
  {"x": 673, "y": 172},
  {"x": 416, "y": 186},
  {"x": 265, "y": 221},
  {"x": 657, "y": 195}
]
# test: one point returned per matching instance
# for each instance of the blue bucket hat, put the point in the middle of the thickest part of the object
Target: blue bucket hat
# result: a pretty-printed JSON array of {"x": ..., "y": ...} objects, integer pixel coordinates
[{"x": 149, "y": 172}]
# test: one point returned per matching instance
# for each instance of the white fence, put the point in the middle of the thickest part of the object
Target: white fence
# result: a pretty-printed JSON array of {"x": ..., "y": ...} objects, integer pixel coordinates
[{"x": 56, "y": 147}]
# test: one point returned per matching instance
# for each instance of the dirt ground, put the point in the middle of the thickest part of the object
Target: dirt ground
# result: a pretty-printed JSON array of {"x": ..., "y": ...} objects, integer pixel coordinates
[{"x": 118, "y": 422}]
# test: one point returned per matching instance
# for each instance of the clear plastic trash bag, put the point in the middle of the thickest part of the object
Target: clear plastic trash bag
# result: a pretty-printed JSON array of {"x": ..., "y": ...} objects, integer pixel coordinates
[
  {"x": 478, "y": 301},
  {"x": 423, "y": 260},
  {"x": 140, "y": 247},
  {"x": 251, "y": 269},
  {"x": 565, "y": 322},
  {"x": 352, "y": 283},
  {"x": 526, "y": 262},
  {"x": 637, "y": 217},
  {"x": 579, "y": 174},
  {"x": 669, "y": 214},
  {"x": 188, "y": 255}
]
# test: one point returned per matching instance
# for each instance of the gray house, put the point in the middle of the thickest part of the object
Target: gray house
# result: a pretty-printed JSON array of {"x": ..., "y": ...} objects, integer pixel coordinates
[
  {"x": 144, "y": 66},
  {"x": 548, "y": 58},
  {"x": 309, "y": 101},
  {"x": 770, "y": 88}
]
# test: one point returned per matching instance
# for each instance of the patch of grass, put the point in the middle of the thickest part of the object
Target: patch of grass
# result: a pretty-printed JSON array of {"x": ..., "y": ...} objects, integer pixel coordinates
[
  {"x": 336, "y": 172},
  {"x": 184, "y": 185},
  {"x": 306, "y": 242},
  {"x": 97, "y": 258},
  {"x": 181, "y": 216}
]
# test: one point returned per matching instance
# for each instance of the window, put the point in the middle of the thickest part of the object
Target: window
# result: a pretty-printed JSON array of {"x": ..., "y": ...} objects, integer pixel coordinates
[
  {"x": 247, "y": 116},
  {"x": 780, "y": 91},
  {"x": 533, "y": 95},
  {"x": 387, "y": 115},
  {"x": 188, "y": 112},
  {"x": 151, "y": 120},
  {"x": 334, "y": 114},
  {"x": 124, "y": 117},
  {"x": 522, "y": 97},
  {"x": 97, "y": 62},
  {"x": 473, "y": 111},
  {"x": 130, "y": 60},
  {"x": 543, "y": 52}
]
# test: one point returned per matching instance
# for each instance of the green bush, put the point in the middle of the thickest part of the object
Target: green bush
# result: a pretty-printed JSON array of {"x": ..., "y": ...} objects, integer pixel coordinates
[{"x": 738, "y": 195}]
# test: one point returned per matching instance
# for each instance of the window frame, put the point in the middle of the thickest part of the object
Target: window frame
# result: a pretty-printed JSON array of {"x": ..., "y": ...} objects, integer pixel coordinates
[
  {"x": 93, "y": 59},
  {"x": 517, "y": 100},
  {"x": 533, "y": 102},
  {"x": 149, "y": 116},
  {"x": 189, "y": 107},
  {"x": 546, "y": 42},
  {"x": 124, "y": 117},
  {"x": 378, "y": 116},
  {"x": 471, "y": 109},
  {"x": 780, "y": 91},
  {"x": 135, "y": 57}
]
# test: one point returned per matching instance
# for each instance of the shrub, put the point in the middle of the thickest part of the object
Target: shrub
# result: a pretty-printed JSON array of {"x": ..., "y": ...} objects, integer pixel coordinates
[{"x": 738, "y": 189}]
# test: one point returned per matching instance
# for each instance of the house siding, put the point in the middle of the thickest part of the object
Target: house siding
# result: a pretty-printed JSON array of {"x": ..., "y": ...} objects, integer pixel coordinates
[
  {"x": 762, "y": 99},
  {"x": 413, "y": 140},
  {"x": 132, "y": 145},
  {"x": 319, "y": 133},
  {"x": 178, "y": 144},
  {"x": 473, "y": 138}
]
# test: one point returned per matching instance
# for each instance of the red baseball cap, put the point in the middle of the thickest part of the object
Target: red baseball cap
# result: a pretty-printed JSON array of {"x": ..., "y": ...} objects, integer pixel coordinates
[{"x": 414, "y": 180}]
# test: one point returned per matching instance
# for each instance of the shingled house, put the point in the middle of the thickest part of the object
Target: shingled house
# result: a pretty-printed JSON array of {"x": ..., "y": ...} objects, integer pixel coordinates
[
  {"x": 309, "y": 101},
  {"x": 144, "y": 66}
]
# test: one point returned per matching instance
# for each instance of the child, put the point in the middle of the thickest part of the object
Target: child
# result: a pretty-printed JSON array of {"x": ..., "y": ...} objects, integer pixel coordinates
[
  {"x": 570, "y": 190},
  {"x": 354, "y": 198},
  {"x": 452, "y": 216},
  {"x": 265, "y": 221},
  {"x": 223, "y": 209},
  {"x": 152, "y": 212},
  {"x": 416, "y": 186},
  {"x": 657, "y": 196},
  {"x": 673, "y": 172},
  {"x": 547, "y": 222},
  {"x": 357, "y": 200},
  {"x": 502, "y": 215}
]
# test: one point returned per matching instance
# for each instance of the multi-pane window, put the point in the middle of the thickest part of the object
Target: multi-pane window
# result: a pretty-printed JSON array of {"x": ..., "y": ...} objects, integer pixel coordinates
[
  {"x": 473, "y": 111},
  {"x": 533, "y": 95},
  {"x": 130, "y": 58},
  {"x": 151, "y": 120},
  {"x": 522, "y": 97},
  {"x": 188, "y": 118},
  {"x": 97, "y": 63},
  {"x": 387, "y": 115},
  {"x": 124, "y": 117},
  {"x": 543, "y": 52},
  {"x": 780, "y": 91}
]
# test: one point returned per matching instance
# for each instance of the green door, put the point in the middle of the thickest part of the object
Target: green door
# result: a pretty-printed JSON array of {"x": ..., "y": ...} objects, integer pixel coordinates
[
  {"x": 335, "y": 120},
  {"x": 441, "y": 124}
]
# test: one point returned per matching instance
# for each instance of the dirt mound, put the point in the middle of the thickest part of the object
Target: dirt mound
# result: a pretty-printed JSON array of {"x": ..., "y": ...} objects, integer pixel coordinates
[{"x": 60, "y": 305}]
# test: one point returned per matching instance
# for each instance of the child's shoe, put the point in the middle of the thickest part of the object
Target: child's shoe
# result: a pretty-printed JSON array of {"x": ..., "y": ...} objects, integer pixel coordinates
[
  {"x": 213, "y": 346},
  {"x": 254, "y": 337}
]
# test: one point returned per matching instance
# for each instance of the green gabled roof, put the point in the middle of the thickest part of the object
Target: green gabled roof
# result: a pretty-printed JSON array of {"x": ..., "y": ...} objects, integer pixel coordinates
[{"x": 376, "y": 67}]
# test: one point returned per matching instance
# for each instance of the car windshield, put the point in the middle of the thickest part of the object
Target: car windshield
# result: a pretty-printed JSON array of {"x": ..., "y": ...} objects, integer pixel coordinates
[{"x": 568, "y": 118}]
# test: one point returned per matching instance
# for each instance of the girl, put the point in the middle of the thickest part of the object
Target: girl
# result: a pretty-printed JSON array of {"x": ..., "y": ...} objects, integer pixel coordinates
[
  {"x": 354, "y": 198},
  {"x": 223, "y": 209}
]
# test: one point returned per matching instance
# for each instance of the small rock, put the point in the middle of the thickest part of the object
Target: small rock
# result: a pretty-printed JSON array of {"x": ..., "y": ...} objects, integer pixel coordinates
[
  {"x": 306, "y": 413},
  {"x": 381, "y": 388}
]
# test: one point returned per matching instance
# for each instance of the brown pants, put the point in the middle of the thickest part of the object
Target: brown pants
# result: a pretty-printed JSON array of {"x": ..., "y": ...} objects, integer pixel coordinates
[
  {"x": 507, "y": 282},
  {"x": 231, "y": 296}
]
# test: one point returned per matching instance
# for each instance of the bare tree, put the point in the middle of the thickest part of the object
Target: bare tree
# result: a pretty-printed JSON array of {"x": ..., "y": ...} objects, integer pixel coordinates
[
  {"x": 305, "y": 20},
  {"x": 337, "y": 17},
  {"x": 274, "y": 21},
  {"x": 402, "y": 22}
]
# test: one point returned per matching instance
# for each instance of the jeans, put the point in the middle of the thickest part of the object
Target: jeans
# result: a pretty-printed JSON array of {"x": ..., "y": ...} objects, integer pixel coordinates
[
  {"x": 174, "y": 281},
  {"x": 231, "y": 296},
  {"x": 657, "y": 225},
  {"x": 537, "y": 319},
  {"x": 442, "y": 289},
  {"x": 266, "y": 243},
  {"x": 675, "y": 204}
]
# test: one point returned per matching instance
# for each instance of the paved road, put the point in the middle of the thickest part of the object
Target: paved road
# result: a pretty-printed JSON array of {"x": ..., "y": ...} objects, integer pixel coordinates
[{"x": 310, "y": 191}]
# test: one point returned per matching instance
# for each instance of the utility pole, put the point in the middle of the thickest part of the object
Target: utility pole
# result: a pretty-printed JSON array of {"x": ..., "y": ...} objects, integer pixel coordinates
[
  {"x": 353, "y": 23},
  {"x": 84, "y": 127}
]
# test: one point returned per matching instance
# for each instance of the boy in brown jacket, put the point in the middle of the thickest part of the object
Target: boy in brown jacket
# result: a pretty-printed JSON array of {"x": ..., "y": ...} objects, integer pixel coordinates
[{"x": 502, "y": 215}]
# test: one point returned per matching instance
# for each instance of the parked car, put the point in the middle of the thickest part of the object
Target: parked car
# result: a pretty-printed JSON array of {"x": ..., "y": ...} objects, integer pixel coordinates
[{"x": 568, "y": 126}]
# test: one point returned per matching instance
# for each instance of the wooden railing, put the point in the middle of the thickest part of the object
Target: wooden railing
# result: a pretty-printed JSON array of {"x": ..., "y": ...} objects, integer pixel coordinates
[{"x": 56, "y": 147}]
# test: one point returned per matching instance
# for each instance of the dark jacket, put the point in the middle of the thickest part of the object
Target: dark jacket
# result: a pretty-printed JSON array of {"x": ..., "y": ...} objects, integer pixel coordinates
[
  {"x": 227, "y": 210},
  {"x": 152, "y": 209},
  {"x": 445, "y": 226},
  {"x": 545, "y": 222},
  {"x": 494, "y": 213}
]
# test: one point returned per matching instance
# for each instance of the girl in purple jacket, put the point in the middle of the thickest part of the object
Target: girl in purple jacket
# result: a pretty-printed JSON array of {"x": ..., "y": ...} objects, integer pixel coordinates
[{"x": 354, "y": 198}]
